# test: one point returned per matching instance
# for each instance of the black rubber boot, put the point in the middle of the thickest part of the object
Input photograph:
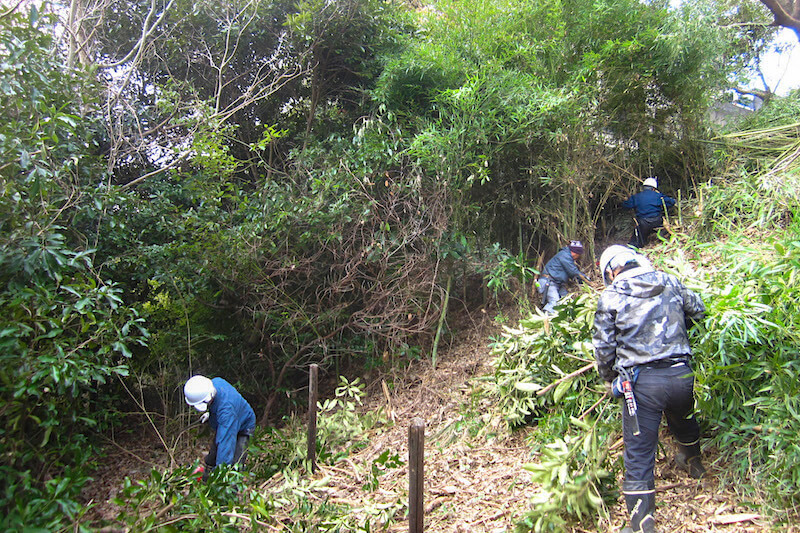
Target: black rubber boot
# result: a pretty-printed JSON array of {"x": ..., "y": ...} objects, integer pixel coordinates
[
  {"x": 688, "y": 460},
  {"x": 640, "y": 498}
]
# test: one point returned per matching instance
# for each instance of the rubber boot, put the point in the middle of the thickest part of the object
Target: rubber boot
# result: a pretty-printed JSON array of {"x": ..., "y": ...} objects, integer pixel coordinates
[
  {"x": 640, "y": 498},
  {"x": 688, "y": 460}
]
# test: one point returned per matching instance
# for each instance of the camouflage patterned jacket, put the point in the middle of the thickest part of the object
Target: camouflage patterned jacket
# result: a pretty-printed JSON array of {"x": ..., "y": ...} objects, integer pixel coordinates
[{"x": 641, "y": 318}]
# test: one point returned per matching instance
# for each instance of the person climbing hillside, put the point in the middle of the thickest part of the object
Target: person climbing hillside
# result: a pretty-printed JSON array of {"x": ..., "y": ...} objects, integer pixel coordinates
[
  {"x": 556, "y": 274},
  {"x": 649, "y": 207},
  {"x": 640, "y": 337},
  {"x": 230, "y": 416}
]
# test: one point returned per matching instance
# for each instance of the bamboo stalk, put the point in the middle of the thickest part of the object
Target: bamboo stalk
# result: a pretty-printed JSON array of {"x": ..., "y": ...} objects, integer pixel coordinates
[
  {"x": 565, "y": 378},
  {"x": 762, "y": 131},
  {"x": 435, "y": 349}
]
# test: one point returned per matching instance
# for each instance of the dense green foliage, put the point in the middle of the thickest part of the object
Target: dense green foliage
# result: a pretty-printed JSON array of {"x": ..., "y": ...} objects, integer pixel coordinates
[
  {"x": 65, "y": 332},
  {"x": 244, "y": 188},
  {"x": 561, "y": 350}
]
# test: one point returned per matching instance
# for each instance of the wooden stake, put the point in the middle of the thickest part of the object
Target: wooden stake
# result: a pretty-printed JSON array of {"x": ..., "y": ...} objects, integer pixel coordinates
[
  {"x": 416, "y": 462},
  {"x": 312, "y": 417}
]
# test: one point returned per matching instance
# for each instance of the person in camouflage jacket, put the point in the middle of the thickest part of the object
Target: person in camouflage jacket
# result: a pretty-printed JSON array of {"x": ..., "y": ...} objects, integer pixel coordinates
[{"x": 641, "y": 326}]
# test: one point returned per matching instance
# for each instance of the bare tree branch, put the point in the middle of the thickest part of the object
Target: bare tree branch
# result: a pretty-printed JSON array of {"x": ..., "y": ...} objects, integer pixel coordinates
[
  {"x": 786, "y": 13},
  {"x": 10, "y": 10}
]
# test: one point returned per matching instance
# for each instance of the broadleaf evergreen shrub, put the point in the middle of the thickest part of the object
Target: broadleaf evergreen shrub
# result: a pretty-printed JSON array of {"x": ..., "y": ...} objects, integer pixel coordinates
[{"x": 66, "y": 334}]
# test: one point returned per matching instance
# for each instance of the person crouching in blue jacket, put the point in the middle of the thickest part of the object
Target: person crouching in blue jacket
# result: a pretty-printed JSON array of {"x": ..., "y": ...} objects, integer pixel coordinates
[
  {"x": 557, "y": 272},
  {"x": 230, "y": 416},
  {"x": 648, "y": 209}
]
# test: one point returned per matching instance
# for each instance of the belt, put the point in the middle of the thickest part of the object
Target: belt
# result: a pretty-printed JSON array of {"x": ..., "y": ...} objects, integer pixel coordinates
[
  {"x": 550, "y": 278},
  {"x": 666, "y": 363},
  {"x": 650, "y": 219}
]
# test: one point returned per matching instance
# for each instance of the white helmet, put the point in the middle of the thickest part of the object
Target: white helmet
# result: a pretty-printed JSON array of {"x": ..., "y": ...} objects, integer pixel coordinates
[
  {"x": 199, "y": 391},
  {"x": 616, "y": 256},
  {"x": 650, "y": 182}
]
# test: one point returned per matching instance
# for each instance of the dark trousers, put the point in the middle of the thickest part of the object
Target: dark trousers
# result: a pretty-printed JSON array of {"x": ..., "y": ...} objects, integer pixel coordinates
[
  {"x": 667, "y": 390},
  {"x": 239, "y": 453},
  {"x": 644, "y": 228}
]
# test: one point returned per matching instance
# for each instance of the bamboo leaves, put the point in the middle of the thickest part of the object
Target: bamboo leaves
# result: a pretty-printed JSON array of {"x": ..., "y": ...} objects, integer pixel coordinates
[
  {"x": 571, "y": 474},
  {"x": 545, "y": 353}
]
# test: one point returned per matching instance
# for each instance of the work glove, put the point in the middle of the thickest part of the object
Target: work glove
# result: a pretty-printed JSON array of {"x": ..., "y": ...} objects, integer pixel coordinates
[
  {"x": 199, "y": 473},
  {"x": 615, "y": 387}
]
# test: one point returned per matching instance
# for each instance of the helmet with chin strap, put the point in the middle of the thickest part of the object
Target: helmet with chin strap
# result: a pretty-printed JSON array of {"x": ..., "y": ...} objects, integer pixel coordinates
[
  {"x": 617, "y": 256},
  {"x": 198, "y": 392}
]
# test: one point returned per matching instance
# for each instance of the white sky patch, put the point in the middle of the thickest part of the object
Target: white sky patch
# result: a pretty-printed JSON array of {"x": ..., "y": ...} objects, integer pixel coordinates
[{"x": 781, "y": 69}]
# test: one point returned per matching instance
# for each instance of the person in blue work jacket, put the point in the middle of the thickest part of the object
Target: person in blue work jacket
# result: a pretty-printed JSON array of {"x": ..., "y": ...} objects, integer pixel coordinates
[
  {"x": 648, "y": 206},
  {"x": 557, "y": 272},
  {"x": 230, "y": 416}
]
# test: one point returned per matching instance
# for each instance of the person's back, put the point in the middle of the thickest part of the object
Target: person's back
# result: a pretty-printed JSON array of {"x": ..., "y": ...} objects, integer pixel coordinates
[
  {"x": 231, "y": 415},
  {"x": 649, "y": 207},
  {"x": 561, "y": 266},
  {"x": 648, "y": 308},
  {"x": 648, "y": 203}
]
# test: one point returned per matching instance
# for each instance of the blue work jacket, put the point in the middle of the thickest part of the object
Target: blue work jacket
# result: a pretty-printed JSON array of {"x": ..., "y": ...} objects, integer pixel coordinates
[
  {"x": 561, "y": 268},
  {"x": 648, "y": 204},
  {"x": 230, "y": 414}
]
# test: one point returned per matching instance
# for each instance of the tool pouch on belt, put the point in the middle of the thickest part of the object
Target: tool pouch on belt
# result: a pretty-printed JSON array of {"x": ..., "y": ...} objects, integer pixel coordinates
[
  {"x": 541, "y": 285},
  {"x": 616, "y": 385}
]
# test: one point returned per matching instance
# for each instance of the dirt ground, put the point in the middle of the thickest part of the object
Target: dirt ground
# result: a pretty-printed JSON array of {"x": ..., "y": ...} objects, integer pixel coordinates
[
  {"x": 477, "y": 484},
  {"x": 474, "y": 481}
]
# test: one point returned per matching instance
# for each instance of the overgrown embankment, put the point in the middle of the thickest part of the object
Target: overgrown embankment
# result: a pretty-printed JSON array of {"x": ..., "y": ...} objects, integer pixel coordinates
[
  {"x": 474, "y": 461},
  {"x": 244, "y": 189},
  {"x": 740, "y": 250},
  {"x": 518, "y": 431}
]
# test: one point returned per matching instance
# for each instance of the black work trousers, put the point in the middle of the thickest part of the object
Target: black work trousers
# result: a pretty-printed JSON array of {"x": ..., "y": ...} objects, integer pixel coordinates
[
  {"x": 664, "y": 388},
  {"x": 239, "y": 453},
  {"x": 644, "y": 228}
]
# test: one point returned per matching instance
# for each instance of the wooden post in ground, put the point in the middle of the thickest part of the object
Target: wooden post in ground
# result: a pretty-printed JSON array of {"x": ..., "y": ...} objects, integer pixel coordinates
[
  {"x": 312, "y": 417},
  {"x": 416, "y": 462}
]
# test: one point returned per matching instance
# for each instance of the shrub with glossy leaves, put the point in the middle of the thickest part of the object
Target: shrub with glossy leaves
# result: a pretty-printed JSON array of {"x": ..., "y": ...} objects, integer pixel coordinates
[{"x": 64, "y": 332}]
